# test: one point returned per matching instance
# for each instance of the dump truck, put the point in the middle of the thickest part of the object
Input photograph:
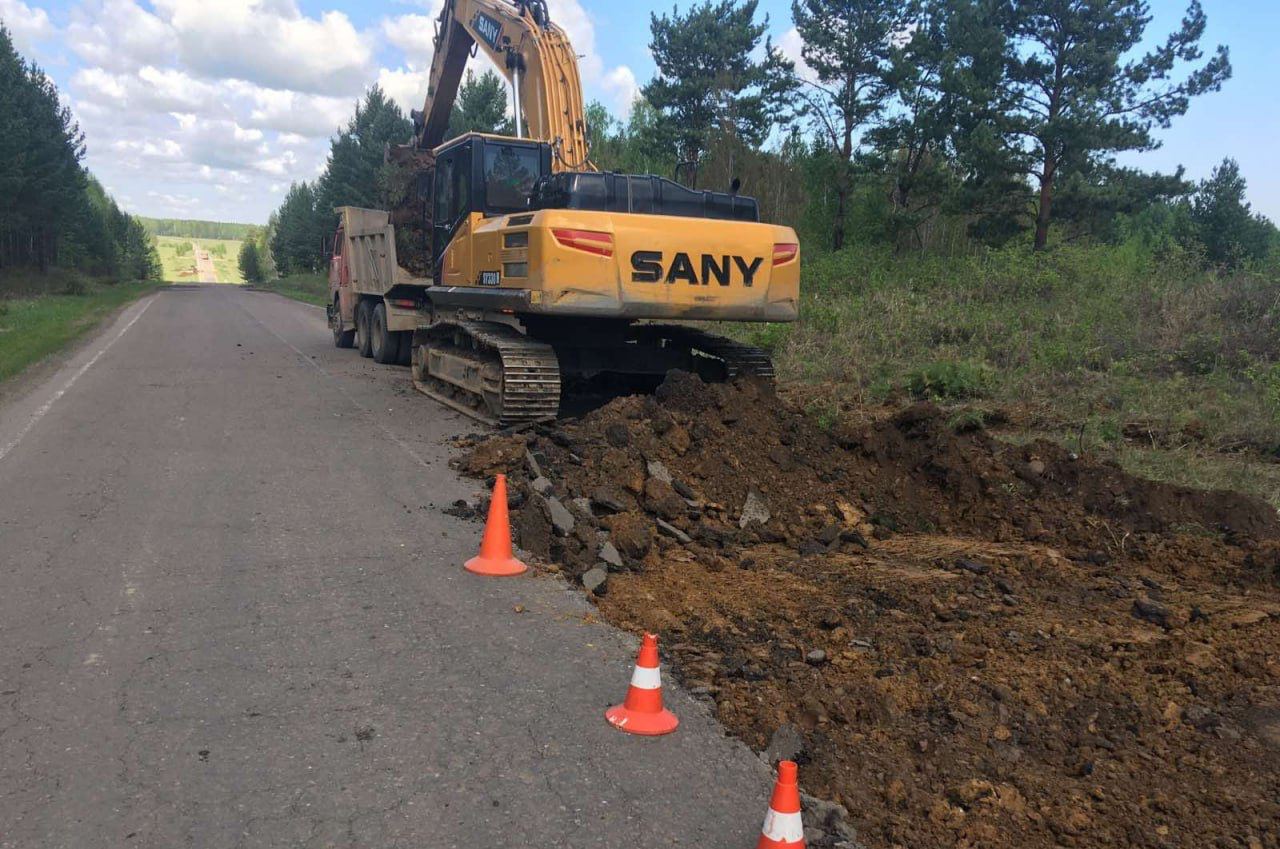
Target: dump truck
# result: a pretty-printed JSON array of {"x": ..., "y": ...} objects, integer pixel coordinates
[{"x": 511, "y": 270}]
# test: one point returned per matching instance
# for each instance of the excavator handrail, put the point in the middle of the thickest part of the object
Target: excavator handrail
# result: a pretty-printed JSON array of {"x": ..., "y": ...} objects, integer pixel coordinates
[{"x": 532, "y": 53}]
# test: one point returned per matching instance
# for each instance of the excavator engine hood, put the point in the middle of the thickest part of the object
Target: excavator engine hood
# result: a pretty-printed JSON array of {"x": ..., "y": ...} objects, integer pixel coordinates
[{"x": 645, "y": 194}]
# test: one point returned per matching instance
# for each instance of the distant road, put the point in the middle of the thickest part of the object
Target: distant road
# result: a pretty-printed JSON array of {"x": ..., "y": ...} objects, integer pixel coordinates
[
  {"x": 205, "y": 271},
  {"x": 233, "y": 614}
]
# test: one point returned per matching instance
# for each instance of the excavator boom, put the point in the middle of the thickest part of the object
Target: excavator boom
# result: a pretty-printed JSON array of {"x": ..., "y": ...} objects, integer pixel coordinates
[{"x": 532, "y": 53}]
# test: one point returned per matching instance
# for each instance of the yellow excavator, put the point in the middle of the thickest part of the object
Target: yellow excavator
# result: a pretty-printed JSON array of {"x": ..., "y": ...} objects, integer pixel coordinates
[{"x": 513, "y": 270}]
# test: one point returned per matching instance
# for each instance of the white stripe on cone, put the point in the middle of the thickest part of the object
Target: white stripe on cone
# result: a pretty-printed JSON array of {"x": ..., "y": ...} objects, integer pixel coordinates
[
  {"x": 646, "y": 678},
  {"x": 785, "y": 828}
]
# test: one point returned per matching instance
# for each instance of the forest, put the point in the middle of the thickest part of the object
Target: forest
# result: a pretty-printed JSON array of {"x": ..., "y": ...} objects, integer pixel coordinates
[
  {"x": 55, "y": 215},
  {"x": 195, "y": 229},
  {"x": 943, "y": 126}
]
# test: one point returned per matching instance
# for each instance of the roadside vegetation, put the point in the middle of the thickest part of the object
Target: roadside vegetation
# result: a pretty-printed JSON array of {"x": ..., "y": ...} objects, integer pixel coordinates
[
  {"x": 53, "y": 213},
  {"x": 1169, "y": 367},
  {"x": 177, "y": 259},
  {"x": 40, "y": 315},
  {"x": 69, "y": 255},
  {"x": 308, "y": 288}
]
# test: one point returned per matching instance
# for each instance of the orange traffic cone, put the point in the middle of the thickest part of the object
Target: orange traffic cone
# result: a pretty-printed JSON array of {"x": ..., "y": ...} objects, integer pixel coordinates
[
  {"x": 496, "y": 558},
  {"x": 782, "y": 828},
  {"x": 642, "y": 711}
]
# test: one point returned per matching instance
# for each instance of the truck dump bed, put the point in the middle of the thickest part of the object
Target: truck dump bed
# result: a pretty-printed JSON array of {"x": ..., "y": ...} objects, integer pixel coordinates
[{"x": 370, "y": 248}]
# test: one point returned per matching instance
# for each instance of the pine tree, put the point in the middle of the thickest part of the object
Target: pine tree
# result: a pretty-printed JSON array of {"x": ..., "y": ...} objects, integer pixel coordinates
[
  {"x": 481, "y": 107},
  {"x": 849, "y": 44},
  {"x": 54, "y": 212},
  {"x": 708, "y": 81},
  {"x": 15, "y": 137},
  {"x": 354, "y": 173},
  {"x": 297, "y": 244},
  {"x": 250, "y": 262},
  {"x": 1224, "y": 224},
  {"x": 1070, "y": 100}
]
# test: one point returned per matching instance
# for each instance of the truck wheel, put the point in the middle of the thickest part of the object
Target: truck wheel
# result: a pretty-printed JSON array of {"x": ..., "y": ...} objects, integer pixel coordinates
[
  {"x": 386, "y": 345},
  {"x": 343, "y": 336},
  {"x": 362, "y": 329},
  {"x": 406, "y": 347}
]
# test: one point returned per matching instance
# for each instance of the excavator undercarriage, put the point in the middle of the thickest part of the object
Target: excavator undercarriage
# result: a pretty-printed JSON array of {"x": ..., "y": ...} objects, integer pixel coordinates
[{"x": 497, "y": 374}]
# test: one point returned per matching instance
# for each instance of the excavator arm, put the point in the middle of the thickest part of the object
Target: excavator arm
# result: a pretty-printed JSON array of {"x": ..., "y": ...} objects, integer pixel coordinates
[{"x": 532, "y": 53}]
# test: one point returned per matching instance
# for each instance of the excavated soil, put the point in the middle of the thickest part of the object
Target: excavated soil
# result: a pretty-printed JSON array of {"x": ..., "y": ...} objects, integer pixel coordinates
[{"x": 963, "y": 642}]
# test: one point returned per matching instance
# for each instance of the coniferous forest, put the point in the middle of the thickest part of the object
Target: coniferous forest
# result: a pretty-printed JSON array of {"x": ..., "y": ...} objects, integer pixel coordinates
[{"x": 53, "y": 213}]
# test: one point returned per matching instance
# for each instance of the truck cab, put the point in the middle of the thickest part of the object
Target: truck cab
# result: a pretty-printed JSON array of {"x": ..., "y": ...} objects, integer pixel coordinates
[{"x": 342, "y": 300}]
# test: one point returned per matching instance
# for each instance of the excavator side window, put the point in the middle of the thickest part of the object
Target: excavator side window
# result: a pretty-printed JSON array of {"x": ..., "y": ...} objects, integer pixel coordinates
[{"x": 452, "y": 197}]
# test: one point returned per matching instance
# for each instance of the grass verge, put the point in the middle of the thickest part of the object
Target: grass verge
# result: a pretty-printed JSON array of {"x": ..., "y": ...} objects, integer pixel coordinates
[
  {"x": 308, "y": 288},
  {"x": 1173, "y": 370},
  {"x": 34, "y": 326}
]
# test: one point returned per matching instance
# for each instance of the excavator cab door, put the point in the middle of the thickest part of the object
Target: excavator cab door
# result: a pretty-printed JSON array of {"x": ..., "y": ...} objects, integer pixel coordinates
[{"x": 451, "y": 207}]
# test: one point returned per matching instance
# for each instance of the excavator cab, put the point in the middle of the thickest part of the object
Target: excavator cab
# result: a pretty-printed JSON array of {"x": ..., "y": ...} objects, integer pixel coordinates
[{"x": 486, "y": 174}]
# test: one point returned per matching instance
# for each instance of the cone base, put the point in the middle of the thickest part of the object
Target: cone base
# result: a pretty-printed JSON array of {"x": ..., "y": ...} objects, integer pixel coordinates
[
  {"x": 493, "y": 567},
  {"x": 636, "y": 722}
]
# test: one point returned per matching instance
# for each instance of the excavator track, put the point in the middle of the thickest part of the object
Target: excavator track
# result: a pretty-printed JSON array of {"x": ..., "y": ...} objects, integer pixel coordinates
[
  {"x": 487, "y": 371},
  {"x": 739, "y": 358}
]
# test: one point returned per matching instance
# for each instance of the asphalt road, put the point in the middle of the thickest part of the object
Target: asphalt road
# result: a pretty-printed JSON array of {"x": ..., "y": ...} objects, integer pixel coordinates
[{"x": 232, "y": 614}]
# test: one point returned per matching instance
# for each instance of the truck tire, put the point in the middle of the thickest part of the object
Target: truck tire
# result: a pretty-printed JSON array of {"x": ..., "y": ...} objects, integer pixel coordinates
[
  {"x": 343, "y": 336},
  {"x": 362, "y": 328},
  {"x": 406, "y": 347},
  {"x": 385, "y": 344}
]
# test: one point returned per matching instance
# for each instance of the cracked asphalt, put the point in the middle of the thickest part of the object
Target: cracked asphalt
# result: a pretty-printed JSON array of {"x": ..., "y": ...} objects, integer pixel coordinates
[{"x": 233, "y": 614}]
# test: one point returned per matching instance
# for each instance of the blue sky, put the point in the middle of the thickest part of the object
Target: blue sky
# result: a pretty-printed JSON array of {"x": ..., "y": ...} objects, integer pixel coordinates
[{"x": 209, "y": 108}]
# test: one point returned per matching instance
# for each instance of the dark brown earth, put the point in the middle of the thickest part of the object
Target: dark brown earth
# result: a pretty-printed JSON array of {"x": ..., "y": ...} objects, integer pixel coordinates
[{"x": 967, "y": 642}]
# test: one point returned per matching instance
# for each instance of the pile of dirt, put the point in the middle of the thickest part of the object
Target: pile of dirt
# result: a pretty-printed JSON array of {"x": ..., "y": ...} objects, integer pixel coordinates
[{"x": 965, "y": 642}]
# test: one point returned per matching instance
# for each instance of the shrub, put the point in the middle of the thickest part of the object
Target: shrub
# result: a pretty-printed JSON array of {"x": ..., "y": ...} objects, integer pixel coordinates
[{"x": 949, "y": 380}]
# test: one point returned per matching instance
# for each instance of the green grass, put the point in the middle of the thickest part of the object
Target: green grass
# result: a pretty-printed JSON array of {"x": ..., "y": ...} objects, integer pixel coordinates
[
  {"x": 33, "y": 326},
  {"x": 177, "y": 261},
  {"x": 1175, "y": 368},
  {"x": 177, "y": 258},
  {"x": 308, "y": 288}
]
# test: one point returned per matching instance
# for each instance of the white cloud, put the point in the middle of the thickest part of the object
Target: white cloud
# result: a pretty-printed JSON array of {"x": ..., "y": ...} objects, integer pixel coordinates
[
  {"x": 272, "y": 44},
  {"x": 622, "y": 86},
  {"x": 412, "y": 34},
  {"x": 310, "y": 115},
  {"x": 791, "y": 45},
  {"x": 27, "y": 25},
  {"x": 141, "y": 150},
  {"x": 120, "y": 36},
  {"x": 178, "y": 203},
  {"x": 406, "y": 86},
  {"x": 186, "y": 99}
]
